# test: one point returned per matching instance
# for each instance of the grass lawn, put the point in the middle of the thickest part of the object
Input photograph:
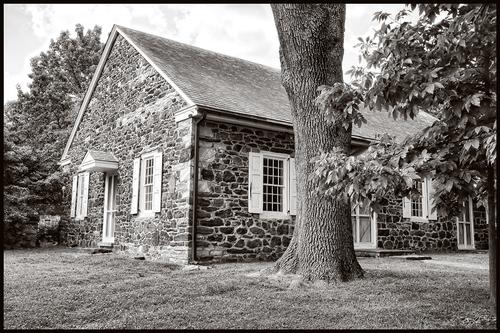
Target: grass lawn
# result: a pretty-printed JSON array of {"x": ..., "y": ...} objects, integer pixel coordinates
[{"x": 63, "y": 288}]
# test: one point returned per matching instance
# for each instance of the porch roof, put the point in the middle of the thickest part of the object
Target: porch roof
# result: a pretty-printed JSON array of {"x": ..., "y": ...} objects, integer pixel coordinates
[{"x": 102, "y": 161}]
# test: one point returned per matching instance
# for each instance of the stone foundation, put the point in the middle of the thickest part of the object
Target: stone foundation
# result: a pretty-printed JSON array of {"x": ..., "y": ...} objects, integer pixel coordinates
[{"x": 165, "y": 253}]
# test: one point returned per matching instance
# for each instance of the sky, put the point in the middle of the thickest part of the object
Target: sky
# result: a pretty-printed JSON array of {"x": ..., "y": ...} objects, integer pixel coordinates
[{"x": 245, "y": 31}]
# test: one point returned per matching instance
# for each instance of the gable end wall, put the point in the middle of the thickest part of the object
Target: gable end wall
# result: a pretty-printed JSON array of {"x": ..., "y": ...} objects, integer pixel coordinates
[{"x": 132, "y": 112}]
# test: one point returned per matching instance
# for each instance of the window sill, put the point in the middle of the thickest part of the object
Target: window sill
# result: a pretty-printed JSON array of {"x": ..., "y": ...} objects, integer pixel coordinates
[
  {"x": 417, "y": 219},
  {"x": 275, "y": 215},
  {"x": 365, "y": 246},
  {"x": 145, "y": 215}
]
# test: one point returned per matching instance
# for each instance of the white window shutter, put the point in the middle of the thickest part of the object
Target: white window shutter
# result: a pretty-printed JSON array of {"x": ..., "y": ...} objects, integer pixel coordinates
[
  {"x": 406, "y": 207},
  {"x": 431, "y": 215},
  {"x": 292, "y": 188},
  {"x": 255, "y": 183},
  {"x": 135, "y": 186},
  {"x": 425, "y": 199},
  {"x": 85, "y": 200},
  {"x": 157, "y": 173},
  {"x": 73, "y": 196}
]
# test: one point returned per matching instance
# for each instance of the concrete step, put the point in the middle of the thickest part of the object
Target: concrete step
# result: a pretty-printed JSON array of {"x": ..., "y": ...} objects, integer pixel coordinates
[{"x": 377, "y": 253}]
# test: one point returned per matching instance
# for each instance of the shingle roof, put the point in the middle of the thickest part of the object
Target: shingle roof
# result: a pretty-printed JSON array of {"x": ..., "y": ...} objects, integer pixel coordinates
[
  {"x": 235, "y": 85},
  {"x": 102, "y": 156},
  {"x": 382, "y": 122}
]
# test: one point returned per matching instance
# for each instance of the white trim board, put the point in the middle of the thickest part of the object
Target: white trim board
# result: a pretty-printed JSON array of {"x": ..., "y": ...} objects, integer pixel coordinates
[{"x": 90, "y": 89}]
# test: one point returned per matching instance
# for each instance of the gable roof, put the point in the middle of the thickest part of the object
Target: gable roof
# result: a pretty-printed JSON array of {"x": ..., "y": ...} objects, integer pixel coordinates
[
  {"x": 102, "y": 156},
  {"x": 216, "y": 80},
  {"x": 239, "y": 86},
  {"x": 235, "y": 86}
]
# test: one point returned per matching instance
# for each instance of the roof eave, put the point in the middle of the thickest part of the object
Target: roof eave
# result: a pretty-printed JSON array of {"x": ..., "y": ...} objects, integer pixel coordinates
[
  {"x": 90, "y": 90},
  {"x": 265, "y": 123}
]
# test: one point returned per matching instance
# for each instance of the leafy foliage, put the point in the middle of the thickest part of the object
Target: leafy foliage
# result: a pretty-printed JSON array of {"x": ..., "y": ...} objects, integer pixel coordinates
[
  {"x": 445, "y": 62},
  {"x": 38, "y": 123}
]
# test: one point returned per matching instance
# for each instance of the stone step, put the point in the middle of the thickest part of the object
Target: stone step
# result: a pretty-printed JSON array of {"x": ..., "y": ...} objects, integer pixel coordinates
[
  {"x": 103, "y": 245},
  {"x": 93, "y": 250},
  {"x": 377, "y": 253}
]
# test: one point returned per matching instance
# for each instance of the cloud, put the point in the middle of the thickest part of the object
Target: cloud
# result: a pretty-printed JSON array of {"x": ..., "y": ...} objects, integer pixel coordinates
[
  {"x": 244, "y": 31},
  {"x": 241, "y": 30}
]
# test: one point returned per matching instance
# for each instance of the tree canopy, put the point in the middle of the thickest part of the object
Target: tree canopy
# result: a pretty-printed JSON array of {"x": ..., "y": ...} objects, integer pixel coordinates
[
  {"x": 444, "y": 63},
  {"x": 37, "y": 124}
]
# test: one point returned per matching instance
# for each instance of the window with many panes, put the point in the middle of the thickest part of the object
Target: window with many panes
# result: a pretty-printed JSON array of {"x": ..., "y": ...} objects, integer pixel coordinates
[
  {"x": 419, "y": 205},
  {"x": 416, "y": 199},
  {"x": 273, "y": 184},
  {"x": 147, "y": 185}
]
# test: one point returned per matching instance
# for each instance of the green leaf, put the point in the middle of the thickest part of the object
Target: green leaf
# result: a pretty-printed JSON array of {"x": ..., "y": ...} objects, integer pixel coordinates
[
  {"x": 430, "y": 88},
  {"x": 449, "y": 185},
  {"x": 475, "y": 100},
  {"x": 475, "y": 143}
]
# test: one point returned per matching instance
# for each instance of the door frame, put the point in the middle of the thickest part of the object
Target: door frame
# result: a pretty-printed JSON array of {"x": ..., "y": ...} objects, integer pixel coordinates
[
  {"x": 109, "y": 177},
  {"x": 472, "y": 246},
  {"x": 373, "y": 222}
]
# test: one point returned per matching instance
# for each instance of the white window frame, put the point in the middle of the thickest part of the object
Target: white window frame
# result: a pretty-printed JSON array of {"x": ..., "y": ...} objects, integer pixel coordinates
[
  {"x": 286, "y": 196},
  {"x": 423, "y": 202},
  {"x": 142, "y": 212},
  {"x": 80, "y": 192}
]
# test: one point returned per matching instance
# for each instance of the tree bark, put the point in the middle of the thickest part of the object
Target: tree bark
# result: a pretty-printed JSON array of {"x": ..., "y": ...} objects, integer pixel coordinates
[
  {"x": 311, "y": 49},
  {"x": 492, "y": 241}
]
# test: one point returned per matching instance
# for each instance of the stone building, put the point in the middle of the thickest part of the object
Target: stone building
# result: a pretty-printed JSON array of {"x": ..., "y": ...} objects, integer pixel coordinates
[{"x": 168, "y": 134}]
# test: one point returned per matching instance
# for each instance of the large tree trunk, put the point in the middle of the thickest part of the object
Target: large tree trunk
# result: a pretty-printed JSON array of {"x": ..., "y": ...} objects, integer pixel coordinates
[
  {"x": 492, "y": 241},
  {"x": 311, "y": 50}
]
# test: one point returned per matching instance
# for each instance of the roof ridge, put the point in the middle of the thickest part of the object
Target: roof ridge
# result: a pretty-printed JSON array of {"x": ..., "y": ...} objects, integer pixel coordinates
[{"x": 277, "y": 70}]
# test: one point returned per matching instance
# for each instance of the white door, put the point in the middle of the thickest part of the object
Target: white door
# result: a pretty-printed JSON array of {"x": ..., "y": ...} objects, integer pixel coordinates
[
  {"x": 465, "y": 227},
  {"x": 363, "y": 228},
  {"x": 108, "y": 227}
]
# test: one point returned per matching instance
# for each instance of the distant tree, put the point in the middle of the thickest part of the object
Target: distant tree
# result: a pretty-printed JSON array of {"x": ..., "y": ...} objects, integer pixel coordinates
[
  {"x": 60, "y": 77},
  {"x": 311, "y": 49},
  {"x": 38, "y": 122},
  {"x": 444, "y": 62}
]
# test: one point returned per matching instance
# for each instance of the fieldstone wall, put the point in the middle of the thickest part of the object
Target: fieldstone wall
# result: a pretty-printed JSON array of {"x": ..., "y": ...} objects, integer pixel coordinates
[
  {"x": 17, "y": 235},
  {"x": 225, "y": 229},
  {"x": 132, "y": 112},
  {"x": 480, "y": 228},
  {"x": 396, "y": 232}
]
